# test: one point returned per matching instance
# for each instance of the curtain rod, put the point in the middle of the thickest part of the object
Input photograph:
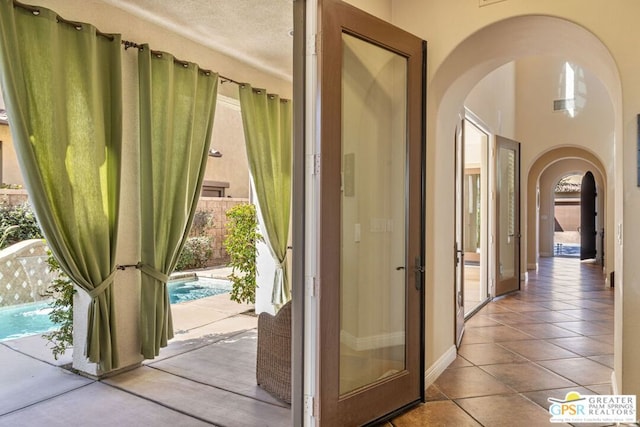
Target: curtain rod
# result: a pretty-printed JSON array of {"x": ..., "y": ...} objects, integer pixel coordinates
[
  {"x": 77, "y": 25},
  {"x": 126, "y": 43},
  {"x": 129, "y": 44}
]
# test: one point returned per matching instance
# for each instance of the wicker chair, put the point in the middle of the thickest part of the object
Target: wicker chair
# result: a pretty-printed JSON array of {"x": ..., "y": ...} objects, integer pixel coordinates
[{"x": 273, "y": 362}]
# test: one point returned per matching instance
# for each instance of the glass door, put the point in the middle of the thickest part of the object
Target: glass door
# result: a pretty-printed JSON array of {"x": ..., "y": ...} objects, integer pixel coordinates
[
  {"x": 460, "y": 232},
  {"x": 508, "y": 215},
  {"x": 474, "y": 216},
  {"x": 370, "y": 261}
]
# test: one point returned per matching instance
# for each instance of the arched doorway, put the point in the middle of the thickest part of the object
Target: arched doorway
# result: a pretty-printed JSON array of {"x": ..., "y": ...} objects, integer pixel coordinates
[
  {"x": 542, "y": 179},
  {"x": 566, "y": 216},
  {"x": 521, "y": 44}
]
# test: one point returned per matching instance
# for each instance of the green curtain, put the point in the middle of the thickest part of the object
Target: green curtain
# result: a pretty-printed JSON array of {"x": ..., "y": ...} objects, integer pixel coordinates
[
  {"x": 267, "y": 129},
  {"x": 177, "y": 105},
  {"x": 62, "y": 87}
]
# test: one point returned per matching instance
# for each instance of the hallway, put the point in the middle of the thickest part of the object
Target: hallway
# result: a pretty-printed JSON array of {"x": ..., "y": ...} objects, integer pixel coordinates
[{"x": 552, "y": 337}]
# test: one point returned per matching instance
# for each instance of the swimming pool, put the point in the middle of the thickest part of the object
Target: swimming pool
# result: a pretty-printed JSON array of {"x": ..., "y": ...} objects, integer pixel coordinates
[
  {"x": 24, "y": 320},
  {"x": 30, "y": 319},
  {"x": 184, "y": 291}
]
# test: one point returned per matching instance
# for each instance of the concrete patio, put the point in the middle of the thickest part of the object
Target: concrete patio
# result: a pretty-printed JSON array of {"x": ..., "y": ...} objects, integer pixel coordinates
[{"x": 206, "y": 376}]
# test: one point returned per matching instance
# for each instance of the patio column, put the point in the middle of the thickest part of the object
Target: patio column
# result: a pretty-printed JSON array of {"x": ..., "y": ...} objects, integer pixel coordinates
[{"x": 126, "y": 285}]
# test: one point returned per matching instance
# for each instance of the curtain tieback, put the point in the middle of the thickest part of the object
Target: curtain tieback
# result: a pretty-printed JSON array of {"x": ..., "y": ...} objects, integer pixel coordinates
[
  {"x": 282, "y": 264},
  {"x": 99, "y": 290},
  {"x": 150, "y": 271}
]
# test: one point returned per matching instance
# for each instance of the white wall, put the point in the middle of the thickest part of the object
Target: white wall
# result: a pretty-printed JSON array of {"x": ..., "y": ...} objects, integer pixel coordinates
[
  {"x": 483, "y": 38},
  {"x": 493, "y": 100}
]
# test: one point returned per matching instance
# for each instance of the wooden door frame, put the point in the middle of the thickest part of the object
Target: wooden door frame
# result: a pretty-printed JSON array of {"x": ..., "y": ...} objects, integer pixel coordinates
[
  {"x": 333, "y": 13},
  {"x": 506, "y": 142},
  {"x": 459, "y": 250}
]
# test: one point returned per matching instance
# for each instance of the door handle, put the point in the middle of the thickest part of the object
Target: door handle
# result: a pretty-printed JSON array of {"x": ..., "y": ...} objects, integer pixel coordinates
[
  {"x": 419, "y": 270},
  {"x": 458, "y": 254}
]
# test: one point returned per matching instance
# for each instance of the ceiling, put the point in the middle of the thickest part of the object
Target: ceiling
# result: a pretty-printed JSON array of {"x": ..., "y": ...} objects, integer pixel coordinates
[{"x": 256, "y": 32}]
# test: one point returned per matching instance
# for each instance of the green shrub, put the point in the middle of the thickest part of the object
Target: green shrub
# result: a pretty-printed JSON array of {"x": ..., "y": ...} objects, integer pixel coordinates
[
  {"x": 241, "y": 245},
  {"x": 202, "y": 224},
  {"x": 21, "y": 216},
  {"x": 61, "y": 289},
  {"x": 195, "y": 254}
]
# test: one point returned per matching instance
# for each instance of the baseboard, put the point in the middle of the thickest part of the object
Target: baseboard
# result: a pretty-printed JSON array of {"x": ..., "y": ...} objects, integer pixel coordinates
[
  {"x": 546, "y": 254},
  {"x": 532, "y": 266},
  {"x": 439, "y": 366},
  {"x": 371, "y": 342},
  {"x": 614, "y": 384}
]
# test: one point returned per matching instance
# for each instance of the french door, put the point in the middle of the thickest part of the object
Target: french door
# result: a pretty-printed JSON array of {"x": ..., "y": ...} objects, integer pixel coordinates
[
  {"x": 588, "y": 233},
  {"x": 371, "y": 338},
  {"x": 508, "y": 215},
  {"x": 459, "y": 233}
]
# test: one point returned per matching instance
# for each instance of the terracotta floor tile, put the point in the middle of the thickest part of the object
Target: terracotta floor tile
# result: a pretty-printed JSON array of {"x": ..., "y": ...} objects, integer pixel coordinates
[
  {"x": 583, "y": 346},
  {"x": 514, "y": 318},
  {"x": 433, "y": 393},
  {"x": 489, "y": 353},
  {"x": 586, "y": 314},
  {"x": 479, "y": 320},
  {"x": 502, "y": 333},
  {"x": 552, "y": 337},
  {"x": 600, "y": 388},
  {"x": 520, "y": 306},
  {"x": 558, "y": 305},
  {"x": 444, "y": 413},
  {"x": 550, "y": 316},
  {"x": 606, "y": 360},
  {"x": 506, "y": 411},
  {"x": 541, "y": 396},
  {"x": 546, "y": 330},
  {"x": 494, "y": 308},
  {"x": 537, "y": 350},
  {"x": 469, "y": 382},
  {"x": 579, "y": 370},
  {"x": 584, "y": 327},
  {"x": 460, "y": 362},
  {"x": 526, "y": 376},
  {"x": 473, "y": 336}
]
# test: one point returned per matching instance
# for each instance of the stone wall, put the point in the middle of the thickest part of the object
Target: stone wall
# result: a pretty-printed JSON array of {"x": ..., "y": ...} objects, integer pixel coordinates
[
  {"x": 217, "y": 207},
  {"x": 13, "y": 197},
  {"x": 24, "y": 273},
  {"x": 214, "y": 206}
]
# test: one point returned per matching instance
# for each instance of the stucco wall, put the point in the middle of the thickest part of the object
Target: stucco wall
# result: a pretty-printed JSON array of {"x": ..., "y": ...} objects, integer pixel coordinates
[
  {"x": 598, "y": 37},
  {"x": 10, "y": 169},
  {"x": 228, "y": 138},
  {"x": 113, "y": 20}
]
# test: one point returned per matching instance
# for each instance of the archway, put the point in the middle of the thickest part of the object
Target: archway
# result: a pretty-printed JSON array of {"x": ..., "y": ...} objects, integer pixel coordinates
[
  {"x": 547, "y": 169},
  {"x": 474, "y": 58}
]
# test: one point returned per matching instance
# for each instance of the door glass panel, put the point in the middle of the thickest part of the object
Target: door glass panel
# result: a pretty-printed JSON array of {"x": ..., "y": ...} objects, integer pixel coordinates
[
  {"x": 507, "y": 213},
  {"x": 373, "y": 214},
  {"x": 473, "y": 219}
]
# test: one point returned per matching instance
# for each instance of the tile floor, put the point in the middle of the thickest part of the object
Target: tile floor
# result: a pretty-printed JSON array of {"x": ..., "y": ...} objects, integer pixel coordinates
[{"x": 552, "y": 337}]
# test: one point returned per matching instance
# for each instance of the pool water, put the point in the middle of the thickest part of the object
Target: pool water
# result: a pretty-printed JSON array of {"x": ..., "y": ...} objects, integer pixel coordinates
[
  {"x": 196, "y": 289},
  {"x": 24, "y": 320},
  {"x": 30, "y": 319}
]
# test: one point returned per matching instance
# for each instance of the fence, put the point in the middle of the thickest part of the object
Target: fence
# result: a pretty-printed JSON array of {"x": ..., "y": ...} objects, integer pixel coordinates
[{"x": 211, "y": 220}]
